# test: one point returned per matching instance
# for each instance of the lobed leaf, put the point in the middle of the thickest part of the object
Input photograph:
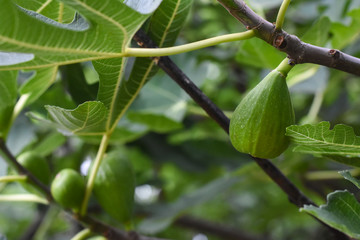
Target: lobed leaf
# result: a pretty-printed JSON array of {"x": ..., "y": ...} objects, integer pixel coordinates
[
  {"x": 341, "y": 212},
  {"x": 318, "y": 139},
  {"x": 106, "y": 33},
  {"x": 53, "y": 9},
  {"x": 163, "y": 28},
  {"x": 38, "y": 84},
  {"x": 117, "y": 95},
  {"x": 8, "y": 95}
]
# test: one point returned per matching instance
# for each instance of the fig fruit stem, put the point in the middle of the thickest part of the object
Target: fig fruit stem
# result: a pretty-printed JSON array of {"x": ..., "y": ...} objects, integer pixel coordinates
[
  {"x": 23, "y": 198},
  {"x": 158, "y": 52},
  {"x": 82, "y": 235},
  {"x": 15, "y": 178},
  {"x": 93, "y": 171},
  {"x": 284, "y": 67},
  {"x": 281, "y": 14}
]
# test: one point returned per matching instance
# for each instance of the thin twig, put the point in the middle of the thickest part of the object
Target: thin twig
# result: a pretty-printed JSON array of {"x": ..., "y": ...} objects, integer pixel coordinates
[
  {"x": 167, "y": 65},
  {"x": 297, "y": 51}
]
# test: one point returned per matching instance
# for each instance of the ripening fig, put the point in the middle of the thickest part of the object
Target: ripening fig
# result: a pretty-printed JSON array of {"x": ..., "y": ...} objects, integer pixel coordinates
[
  {"x": 259, "y": 123},
  {"x": 68, "y": 189},
  {"x": 114, "y": 186}
]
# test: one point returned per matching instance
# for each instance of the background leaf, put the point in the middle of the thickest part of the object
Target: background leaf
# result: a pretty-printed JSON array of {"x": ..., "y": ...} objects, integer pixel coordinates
[
  {"x": 345, "y": 34},
  {"x": 168, "y": 213}
]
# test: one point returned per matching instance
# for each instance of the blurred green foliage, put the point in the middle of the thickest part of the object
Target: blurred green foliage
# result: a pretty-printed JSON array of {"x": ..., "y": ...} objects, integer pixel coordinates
[{"x": 184, "y": 150}]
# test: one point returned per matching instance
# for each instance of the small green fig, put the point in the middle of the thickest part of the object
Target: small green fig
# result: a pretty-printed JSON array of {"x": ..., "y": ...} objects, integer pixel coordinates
[
  {"x": 38, "y": 166},
  {"x": 259, "y": 123},
  {"x": 114, "y": 186},
  {"x": 68, "y": 189}
]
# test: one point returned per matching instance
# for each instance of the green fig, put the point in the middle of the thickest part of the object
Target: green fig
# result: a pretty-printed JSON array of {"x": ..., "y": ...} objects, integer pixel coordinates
[
  {"x": 259, "y": 123},
  {"x": 114, "y": 186},
  {"x": 68, "y": 189},
  {"x": 37, "y": 166}
]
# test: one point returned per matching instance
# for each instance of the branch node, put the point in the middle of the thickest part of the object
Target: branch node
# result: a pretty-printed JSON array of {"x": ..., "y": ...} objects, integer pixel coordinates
[
  {"x": 280, "y": 42},
  {"x": 334, "y": 53}
]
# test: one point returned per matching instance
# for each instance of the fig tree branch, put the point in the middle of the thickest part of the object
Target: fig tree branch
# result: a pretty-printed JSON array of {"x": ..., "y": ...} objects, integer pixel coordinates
[
  {"x": 298, "y": 51},
  {"x": 168, "y": 66},
  {"x": 96, "y": 226},
  {"x": 23, "y": 170}
]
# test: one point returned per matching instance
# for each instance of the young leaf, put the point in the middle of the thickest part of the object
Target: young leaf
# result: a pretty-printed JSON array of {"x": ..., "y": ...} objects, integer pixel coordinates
[
  {"x": 341, "y": 212},
  {"x": 8, "y": 95},
  {"x": 320, "y": 140},
  {"x": 88, "y": 118}
]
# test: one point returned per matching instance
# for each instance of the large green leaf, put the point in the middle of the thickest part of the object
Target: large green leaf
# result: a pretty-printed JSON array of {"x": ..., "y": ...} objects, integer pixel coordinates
[
  {"x": 106, "y": 34},
  {"x": 53, "y": 9},
  {"x": 38, "y": 84},
  {"x": 8, "y": 95},
  {"x": 88, "y": 118},
  {"x": 318, "y": 139},
  {"x": 341, "y": 212}
]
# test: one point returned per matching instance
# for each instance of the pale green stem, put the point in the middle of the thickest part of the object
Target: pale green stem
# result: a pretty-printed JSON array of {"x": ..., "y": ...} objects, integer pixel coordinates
[
  {"x": 93, "y": 171},
  {"x": 84, "y": 234},
  {"x": 14, "y": 178},
  {"x": 315, "y": 106},
  {"x": 284, "y": 67},
  {"x": 158, "y": 52},
  {"x": 22, "y": 198},
  {"x": 50, "y": 217},
  {"x": 17, "y": 109},
  {"x": 326, "y": 175},
  {"x": 281, "y": 14}
]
